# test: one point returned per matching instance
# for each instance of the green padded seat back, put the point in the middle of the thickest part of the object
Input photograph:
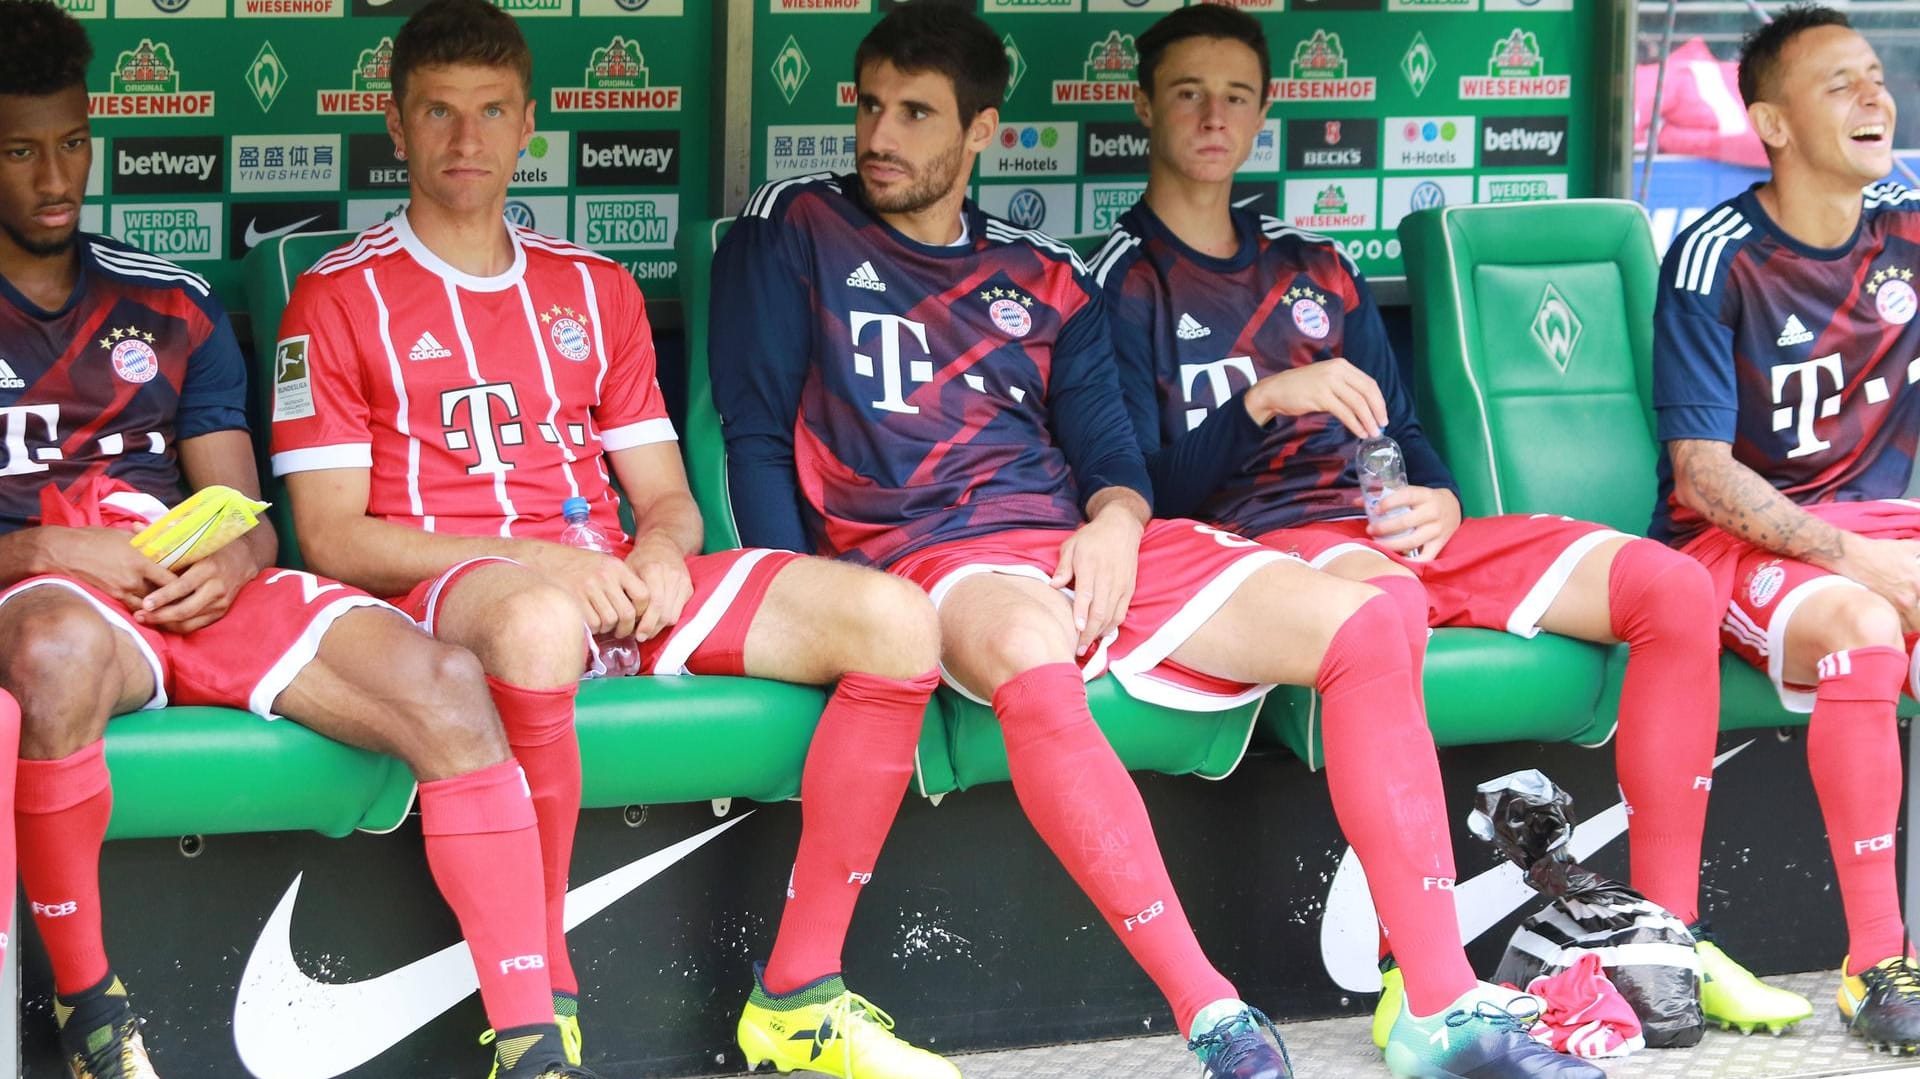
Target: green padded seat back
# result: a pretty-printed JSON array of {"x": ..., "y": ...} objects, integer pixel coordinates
[
  {"x": 704, "y": 447},
  {"x": 1534, "y": 326},
  {"x": 268, "y": 274}
]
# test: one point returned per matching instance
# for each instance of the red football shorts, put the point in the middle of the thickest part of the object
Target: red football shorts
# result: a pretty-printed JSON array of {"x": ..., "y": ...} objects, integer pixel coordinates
[
  {"x": 1187, "y": 571},
  {"x": 1495, "y": 573},
  {"x": 709, "y": 638},
  {"x": 247, "y": 658},
  {"x": 1763, "y": 590}
]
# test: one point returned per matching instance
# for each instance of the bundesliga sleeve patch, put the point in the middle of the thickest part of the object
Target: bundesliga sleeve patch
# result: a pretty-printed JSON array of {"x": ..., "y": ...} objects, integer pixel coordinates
[{"x": 292, "y": 387}]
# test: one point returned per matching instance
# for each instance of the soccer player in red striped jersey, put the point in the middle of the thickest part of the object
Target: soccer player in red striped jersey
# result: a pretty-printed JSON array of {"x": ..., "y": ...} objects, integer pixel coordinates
[
  {"x": 446, "y": 383},
  {"x": 927, "y": 388},
  {"x": 1784, "y": 385},
  {"x": 121, "y": 388},
  {"x": 1254, "y": 362}
]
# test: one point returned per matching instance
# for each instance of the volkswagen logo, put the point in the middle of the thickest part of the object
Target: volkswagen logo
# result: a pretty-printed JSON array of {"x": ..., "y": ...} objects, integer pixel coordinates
[{"x": 1027, "y": 208}]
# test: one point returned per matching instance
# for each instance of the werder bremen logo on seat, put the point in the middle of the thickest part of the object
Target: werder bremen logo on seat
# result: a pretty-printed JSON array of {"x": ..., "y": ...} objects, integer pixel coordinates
[
  {"x": 1556, "y": 327},
  {"x": 790, "y": 69}
]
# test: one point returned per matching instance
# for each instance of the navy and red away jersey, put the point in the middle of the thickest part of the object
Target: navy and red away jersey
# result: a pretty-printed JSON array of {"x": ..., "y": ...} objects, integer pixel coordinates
[
  {"x": 1193, "y": 332},
  {"x": 921, "y": 394},
  {"x": 1804, "y": 359},
  {"x": 139, "y": 358}
]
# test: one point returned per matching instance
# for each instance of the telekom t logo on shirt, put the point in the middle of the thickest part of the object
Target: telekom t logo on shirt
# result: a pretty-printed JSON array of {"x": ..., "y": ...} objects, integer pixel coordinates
[
  {"x": 478, "y": 431},
  {"x": 891, "y": 382}
]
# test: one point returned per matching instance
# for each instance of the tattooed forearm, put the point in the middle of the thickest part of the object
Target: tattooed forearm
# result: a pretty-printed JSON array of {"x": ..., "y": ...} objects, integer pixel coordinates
[{"x": 1737, "y": 499}]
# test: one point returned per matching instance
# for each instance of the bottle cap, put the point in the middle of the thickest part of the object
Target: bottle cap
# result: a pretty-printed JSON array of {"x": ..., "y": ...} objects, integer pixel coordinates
[{"x": 576, "y": 507}]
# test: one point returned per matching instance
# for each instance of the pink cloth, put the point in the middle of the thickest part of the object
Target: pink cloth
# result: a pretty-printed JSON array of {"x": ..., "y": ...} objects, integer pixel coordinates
[{"x": 1583, "y": 1014}]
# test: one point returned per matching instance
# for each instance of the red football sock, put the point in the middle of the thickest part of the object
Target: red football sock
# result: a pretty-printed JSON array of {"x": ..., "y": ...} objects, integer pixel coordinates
[
  {"x": 1661, "y": 604},
  {"x": 1385, "y": 779},
  {"x": 481, "y": 846},
  {"x": 1410, "y": 596},
  {"x": 539, "y": 726},
  {"x": 60, "y": 816},
  {"x": 1853, "y": 751},
  {"x": 1084, "y": 805},
  {"x": 857, "y": 772},
  {"x": 9, "y": 751}
]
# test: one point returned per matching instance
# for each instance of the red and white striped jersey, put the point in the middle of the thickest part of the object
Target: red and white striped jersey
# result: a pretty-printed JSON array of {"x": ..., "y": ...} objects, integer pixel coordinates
[{"x": 479, "y": 405}]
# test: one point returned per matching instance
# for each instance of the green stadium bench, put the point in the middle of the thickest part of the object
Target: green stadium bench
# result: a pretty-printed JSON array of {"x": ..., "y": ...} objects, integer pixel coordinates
[
  {"x": 1146, "y": 737},
  {"x": 1528, "y": 431}
]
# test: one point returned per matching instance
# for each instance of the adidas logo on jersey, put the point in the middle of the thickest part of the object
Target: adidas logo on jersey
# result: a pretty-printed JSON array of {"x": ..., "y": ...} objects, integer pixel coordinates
[
  {"x": 9, "y": 380},
  {"x": 864, "y": 277},
  {"x": 1793, "y": 333},
  {"x": 428, "y": 349},
  {"x": 1190, "y": 328}
]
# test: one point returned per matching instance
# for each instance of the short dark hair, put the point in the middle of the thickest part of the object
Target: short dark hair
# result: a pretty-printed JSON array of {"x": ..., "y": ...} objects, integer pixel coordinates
[
  {"x": 1206, "y": 20},
  {"x": 1760, "y": 51},
  {"x": 46, "y": 49},
  {"x": 449, "y": 32},
  {"x": 946, "y": 37}
]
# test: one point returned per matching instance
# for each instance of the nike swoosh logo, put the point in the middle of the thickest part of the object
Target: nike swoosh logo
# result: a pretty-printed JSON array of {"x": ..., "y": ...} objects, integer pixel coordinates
[
  {"x": 255, "y": 237},
  {"x": 1350, "y": 932},
  {"x": 286, "y": 1025},
  {"x": 1242, "y": 204}
]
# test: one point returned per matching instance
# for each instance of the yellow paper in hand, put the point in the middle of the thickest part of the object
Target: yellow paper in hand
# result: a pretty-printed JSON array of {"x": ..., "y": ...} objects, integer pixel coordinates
[{"x": 208, "y": 520}]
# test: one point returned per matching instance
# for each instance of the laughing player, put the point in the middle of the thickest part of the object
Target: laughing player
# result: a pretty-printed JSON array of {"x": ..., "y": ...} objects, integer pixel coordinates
[
  {"x": 121, "y": 382},
  {"x": 1784, "y": 371},
  {"x": 462, "y": 380},
  {"x": 940, "y": 385},
  {"x": 1254, "y": 361}
]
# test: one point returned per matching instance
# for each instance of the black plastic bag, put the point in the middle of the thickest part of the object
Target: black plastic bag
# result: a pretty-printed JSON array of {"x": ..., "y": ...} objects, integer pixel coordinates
[{"x": 1647, "y": 951}]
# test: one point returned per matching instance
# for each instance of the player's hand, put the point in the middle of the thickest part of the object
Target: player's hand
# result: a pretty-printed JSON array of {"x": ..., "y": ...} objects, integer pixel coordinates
[
  {"x": 104, "y": 558},
  {"x": 1891, "y": 568},
  {"x": 611, "y": 596},
  {"x": 1099, "y": 562},
  {"x": 201, "y": 595},
  {"x": 1432, "y": 517},
  {"x": 662, "y": 568},
  {"x": 1332, "y": 386}
]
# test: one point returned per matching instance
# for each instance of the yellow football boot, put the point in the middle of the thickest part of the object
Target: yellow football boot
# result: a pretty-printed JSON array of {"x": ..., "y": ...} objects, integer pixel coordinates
[{"x": 829, "y": 1030}]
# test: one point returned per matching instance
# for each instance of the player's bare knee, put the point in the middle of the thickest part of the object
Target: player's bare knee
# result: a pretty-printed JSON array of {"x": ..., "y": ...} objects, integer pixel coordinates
[
  {"x": 1860, "y": 619},
  {"x": 66, "y": 641},
  {"x": 1336, "y": 601},
  {"x": 1025, "y": 640},
  {"x": 449, "y": 726},
  {"x": 534, "y": 637},
  {"x": 892, "y": 629},
  {"x": 68, "y": 652}
]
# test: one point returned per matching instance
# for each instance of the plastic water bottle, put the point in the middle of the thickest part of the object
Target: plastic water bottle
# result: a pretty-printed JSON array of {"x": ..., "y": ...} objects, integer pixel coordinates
[
  {"x": 612, "y": 656},
  {"x": 1382, "y": 471}
]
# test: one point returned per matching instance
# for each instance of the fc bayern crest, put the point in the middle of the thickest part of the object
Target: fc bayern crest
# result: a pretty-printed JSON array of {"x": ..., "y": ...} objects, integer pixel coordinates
[
  {"x": 133, "y": 357},
  {"x": 1311, "y": 318},
  {"x": 1765, "y": 584},
  {"x": 1011, "y": 316},
  {"x": 1896, "y": 301},
  {"x": 570, "y": 338}
]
